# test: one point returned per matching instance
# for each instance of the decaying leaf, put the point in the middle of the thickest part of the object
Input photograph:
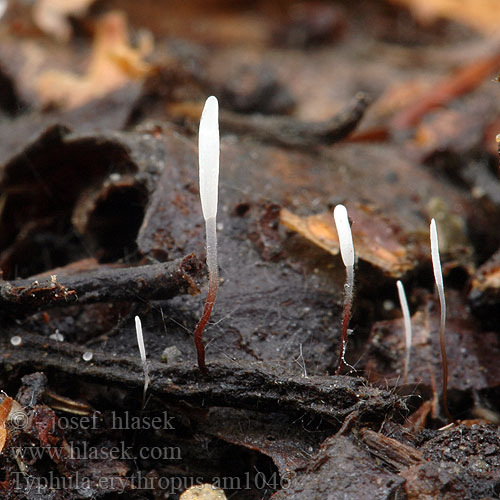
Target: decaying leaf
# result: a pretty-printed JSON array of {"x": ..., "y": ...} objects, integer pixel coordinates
[
  {"x": 113, "y": 64},
  {"x": 374, "y": 239},
  {"x": 5, "y": 407},
  {"x": 479, "y": 14}
]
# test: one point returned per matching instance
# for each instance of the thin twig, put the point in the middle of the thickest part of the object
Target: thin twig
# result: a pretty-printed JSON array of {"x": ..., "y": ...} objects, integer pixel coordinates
[{"x": 152, "y": 282}]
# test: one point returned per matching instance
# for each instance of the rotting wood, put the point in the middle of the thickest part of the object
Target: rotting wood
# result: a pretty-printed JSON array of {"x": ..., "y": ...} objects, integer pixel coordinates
[{"x": 248, "y": 386}]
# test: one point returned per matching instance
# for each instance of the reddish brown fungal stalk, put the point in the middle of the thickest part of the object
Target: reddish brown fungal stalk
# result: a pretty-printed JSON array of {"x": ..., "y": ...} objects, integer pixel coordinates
[{"x": 213, "y": 286}]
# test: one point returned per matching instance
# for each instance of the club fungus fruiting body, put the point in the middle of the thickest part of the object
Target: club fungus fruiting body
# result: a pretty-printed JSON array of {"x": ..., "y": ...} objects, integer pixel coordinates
[
  {"x": 347, "y": 254},
  {"x": 208, "y": 154},
  {"x": 438, "y": 277},
  {"x": 142, "y": 352},
  {"x": 407, "y": 326}
]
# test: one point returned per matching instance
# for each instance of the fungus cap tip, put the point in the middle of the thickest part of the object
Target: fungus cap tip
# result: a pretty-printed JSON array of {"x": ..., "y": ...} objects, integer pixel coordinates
[
  {"x": 436, "y": 261},
  {"x": 345, "y": 235},
  {"x": 208, "y": 156},
  {"x": 140, "y": 338}
]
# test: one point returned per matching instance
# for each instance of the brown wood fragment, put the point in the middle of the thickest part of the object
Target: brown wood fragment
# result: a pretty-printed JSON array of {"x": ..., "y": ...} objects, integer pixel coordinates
[{"x": 399, "y": 455}]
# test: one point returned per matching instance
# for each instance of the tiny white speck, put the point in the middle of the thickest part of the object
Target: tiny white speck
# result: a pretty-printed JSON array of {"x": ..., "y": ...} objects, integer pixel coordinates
[
  {"x": 115, "y": 177},
  {"x": 16, "y": 340},
  {"x": 220, "y": 226},
  {"x": 87, "y": 356}
]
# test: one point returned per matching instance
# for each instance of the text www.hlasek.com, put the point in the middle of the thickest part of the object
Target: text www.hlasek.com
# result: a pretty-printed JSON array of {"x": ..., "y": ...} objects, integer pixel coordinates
[{"x": 85, "y": 452}]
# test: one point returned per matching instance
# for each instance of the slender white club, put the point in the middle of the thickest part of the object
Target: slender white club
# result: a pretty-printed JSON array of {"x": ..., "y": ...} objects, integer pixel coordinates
[
  {"x": 345, "y": 235},
  {"x": 436, "y": 261},
  {"x": 407, "y": 325},
  {"x": 142, "y": 352},
  {"x": 208, "y": 157},
  {"x": 438, "y": 278}
]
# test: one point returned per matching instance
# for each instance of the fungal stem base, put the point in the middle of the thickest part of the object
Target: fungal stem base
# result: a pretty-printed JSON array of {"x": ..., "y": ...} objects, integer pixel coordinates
[{"x": 213, "y": 286}]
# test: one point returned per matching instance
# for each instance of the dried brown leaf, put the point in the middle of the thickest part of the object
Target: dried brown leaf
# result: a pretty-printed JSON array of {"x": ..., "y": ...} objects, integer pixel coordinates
[
  {"x": 375, "y": 241},
  {"x": 113, "y": 64}
]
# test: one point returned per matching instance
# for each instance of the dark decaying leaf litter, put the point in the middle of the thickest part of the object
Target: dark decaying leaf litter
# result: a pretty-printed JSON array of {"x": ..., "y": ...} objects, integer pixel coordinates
[{"x": 367, "y": 103}]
